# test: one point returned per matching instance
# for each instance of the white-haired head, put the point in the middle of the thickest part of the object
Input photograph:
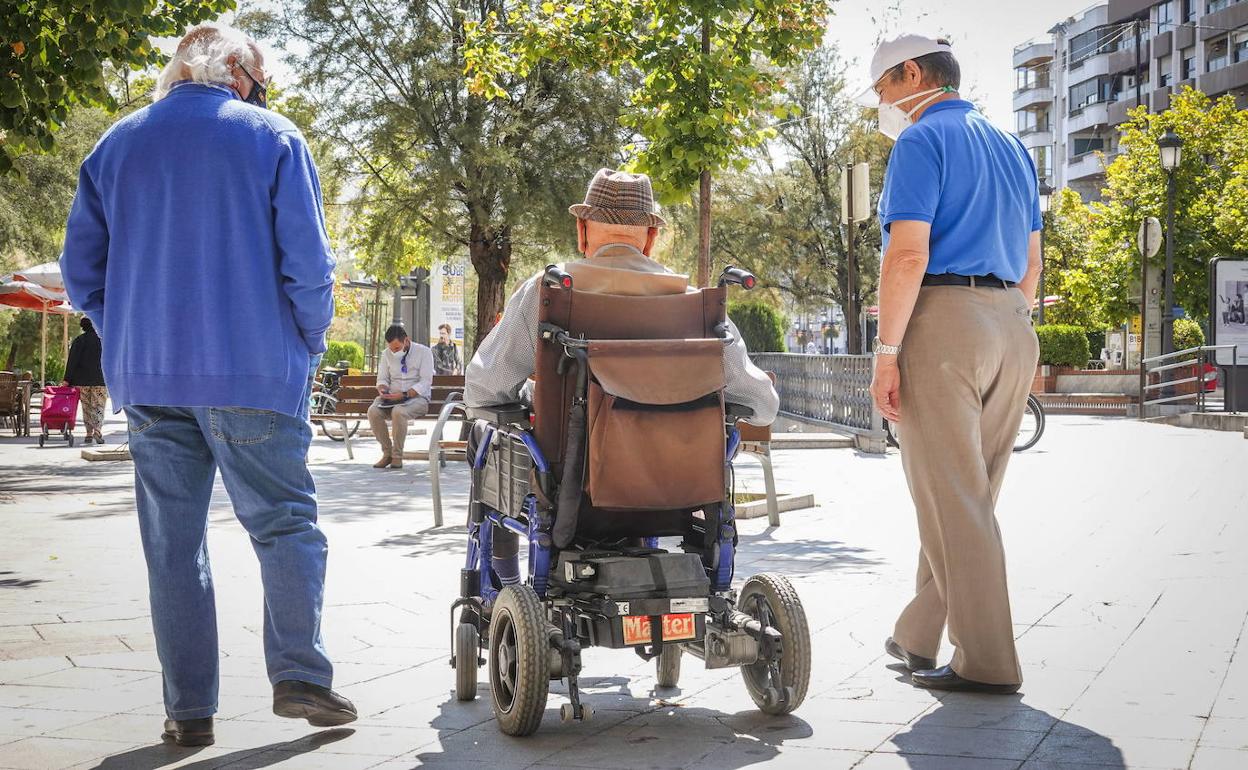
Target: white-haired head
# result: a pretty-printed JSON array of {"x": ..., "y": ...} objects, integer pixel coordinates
[{"x": 205, "y": 55}]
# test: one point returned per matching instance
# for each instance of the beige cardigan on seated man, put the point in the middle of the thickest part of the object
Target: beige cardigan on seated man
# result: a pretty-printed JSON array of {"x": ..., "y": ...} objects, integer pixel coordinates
[{"x": 504, "y": 362}]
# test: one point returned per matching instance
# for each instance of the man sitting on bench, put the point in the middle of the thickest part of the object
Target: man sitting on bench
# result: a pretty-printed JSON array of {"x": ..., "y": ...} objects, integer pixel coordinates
[
  {"x": 616, "y": 231},
  {"x": 404, "y": 386}
]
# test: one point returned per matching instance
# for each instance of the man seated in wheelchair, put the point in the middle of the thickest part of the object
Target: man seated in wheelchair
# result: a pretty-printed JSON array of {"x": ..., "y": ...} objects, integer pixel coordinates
[{"x": 604, "y": 406}]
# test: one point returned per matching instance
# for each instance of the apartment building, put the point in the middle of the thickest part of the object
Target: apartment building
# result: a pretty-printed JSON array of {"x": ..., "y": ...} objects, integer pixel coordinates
[{"x": 1076, "y": 85}]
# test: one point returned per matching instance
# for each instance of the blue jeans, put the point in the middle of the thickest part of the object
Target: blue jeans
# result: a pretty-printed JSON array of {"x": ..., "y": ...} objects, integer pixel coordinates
[{"x": 261, "y": 455}]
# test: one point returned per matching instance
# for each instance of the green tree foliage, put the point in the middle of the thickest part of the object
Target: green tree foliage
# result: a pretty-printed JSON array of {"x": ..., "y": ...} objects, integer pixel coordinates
[
  {"x": 1072, "y": 270},
  {"x": 760, "y": 325},
  {"x": 1211, "y": 213},
  {"x": 706, "y": 69},
  {"x": 54, "y": 55},
  {"x": 441, "y": 171},
  {"x": 1187, "y": 334},
  {"x": 1063, "y": 345}
]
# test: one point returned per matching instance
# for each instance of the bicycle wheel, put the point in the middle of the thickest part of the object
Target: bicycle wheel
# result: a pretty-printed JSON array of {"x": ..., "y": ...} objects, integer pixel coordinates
[{"x": 1032, "y": 427}]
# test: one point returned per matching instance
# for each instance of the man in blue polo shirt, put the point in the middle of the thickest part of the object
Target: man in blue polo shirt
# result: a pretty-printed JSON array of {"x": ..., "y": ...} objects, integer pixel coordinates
[{"x": 956, "y": 351}]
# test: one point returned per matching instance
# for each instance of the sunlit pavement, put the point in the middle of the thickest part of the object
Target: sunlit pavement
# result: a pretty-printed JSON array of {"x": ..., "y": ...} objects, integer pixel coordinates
[{"x": 1128, "y": 559}]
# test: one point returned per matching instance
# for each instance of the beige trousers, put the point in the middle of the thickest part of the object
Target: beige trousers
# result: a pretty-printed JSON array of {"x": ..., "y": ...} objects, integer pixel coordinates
[
  {"x": 399, "y": 416},
  {"x": 966, "y": 367}
]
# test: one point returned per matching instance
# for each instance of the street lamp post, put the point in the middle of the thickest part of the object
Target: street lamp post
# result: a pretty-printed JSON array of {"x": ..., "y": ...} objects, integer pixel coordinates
[
  {"x": 1046, "y": 197},
  {"x": 1171, "y": 147}
]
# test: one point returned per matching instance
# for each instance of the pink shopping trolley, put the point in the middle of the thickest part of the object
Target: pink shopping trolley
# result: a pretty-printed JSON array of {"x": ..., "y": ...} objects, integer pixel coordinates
[{"x": 58, "y": 413}]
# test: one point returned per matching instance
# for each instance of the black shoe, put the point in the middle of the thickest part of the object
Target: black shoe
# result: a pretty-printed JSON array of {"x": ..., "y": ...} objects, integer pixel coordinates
[
  {"x": 945, "y": 678},
  {"x": 913, "y": 662},
  {"x": 321, "y": 706},
  {"x": 188, "y": 732}
]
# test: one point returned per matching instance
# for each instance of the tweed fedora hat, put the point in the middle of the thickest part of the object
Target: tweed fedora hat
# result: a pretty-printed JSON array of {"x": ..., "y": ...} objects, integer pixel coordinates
[{"x": 619, "y": 198}]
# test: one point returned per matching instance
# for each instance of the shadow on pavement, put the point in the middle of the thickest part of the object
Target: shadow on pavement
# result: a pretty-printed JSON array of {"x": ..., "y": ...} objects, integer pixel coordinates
[
  {"x": 1021, "y": 733},
  {"x": 160, "y": 755}
]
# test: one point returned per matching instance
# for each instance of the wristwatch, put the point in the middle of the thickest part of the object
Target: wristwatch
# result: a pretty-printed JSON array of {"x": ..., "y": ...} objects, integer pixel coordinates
[{"x": 879, "y": 348}]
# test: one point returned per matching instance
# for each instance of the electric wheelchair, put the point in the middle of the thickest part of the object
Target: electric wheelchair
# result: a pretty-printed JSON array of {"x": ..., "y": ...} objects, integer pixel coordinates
[{"x": 628, "y": 440}]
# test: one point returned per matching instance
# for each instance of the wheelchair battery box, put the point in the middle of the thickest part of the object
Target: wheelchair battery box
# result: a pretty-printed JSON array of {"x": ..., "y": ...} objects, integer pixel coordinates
[
  {"x": 638, "y": 630},
  {"x": 505, "y": 477},
  {"x": 644, "y": 576}
]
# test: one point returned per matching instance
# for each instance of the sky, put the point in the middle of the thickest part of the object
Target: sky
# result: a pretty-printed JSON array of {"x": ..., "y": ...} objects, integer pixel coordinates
[{"x": 983, "y": 33}]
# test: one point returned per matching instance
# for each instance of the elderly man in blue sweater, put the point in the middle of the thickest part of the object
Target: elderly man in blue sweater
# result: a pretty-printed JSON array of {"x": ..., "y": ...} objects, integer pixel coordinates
[{"x": 197, "y": 246}]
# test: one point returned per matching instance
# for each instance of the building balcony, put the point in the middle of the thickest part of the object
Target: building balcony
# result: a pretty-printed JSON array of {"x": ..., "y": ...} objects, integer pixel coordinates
[
  {"x": 1088, "y": 117},
  {"x": 1036, "y": 138},
  {"x": 1032, "y": 97},
  {"x": 1085, "y": 166},
  {"x": 1220, "y": 22},
  {"x": 1126, "y": 102},
  {"x": 1226, "y": 79},
  {"x": 1123, "y": 60},
  {"x": 1033, "y": 52}
]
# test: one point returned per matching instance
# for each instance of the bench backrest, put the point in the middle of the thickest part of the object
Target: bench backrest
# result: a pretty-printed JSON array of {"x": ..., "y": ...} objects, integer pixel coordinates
[{"x": 357, "y": 392}]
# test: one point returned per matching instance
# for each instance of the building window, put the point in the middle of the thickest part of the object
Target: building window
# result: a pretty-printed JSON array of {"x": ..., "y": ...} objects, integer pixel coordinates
[
  {"x": 1165, "y": 71},
  {"x": 1239, "y": 45},
  {"x": 1217, "y": 54},
  {"x": 1189, "y": 10},
  {"x": 1027, "y": 78},
  {"x": 1043, "y": 158},
  {"x": 1217, "y": 5},
  {"x": 1165, "y": 17},
  {"x": 1090, "y": 92},
  {"x": 1033, "y": 121},
  {"x": 1082, "y": 145},
  {"x": 1091, "y": 43},
  {"x": 1189, "y": 63}
]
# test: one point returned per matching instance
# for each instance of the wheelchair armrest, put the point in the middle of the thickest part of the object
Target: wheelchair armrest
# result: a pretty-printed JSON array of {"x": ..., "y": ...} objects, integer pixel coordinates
[
  {"x": 501, "y": 414},
  {"x": 738, "y": 411}
]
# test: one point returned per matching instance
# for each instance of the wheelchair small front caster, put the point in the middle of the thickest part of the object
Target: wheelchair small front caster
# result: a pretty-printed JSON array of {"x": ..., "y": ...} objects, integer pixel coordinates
[{"x": 567, "y": 712}]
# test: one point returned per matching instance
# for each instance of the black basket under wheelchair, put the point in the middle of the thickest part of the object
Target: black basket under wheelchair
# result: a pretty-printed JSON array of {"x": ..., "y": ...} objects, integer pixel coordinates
[{"x": 505, "y": 479}]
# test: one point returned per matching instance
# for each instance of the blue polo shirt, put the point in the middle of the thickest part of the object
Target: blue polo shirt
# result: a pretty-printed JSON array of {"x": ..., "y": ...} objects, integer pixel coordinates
[{"x": 974, "y": 183}]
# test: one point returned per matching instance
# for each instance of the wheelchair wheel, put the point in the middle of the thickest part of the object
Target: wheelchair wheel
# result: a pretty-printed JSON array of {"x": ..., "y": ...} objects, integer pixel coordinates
[
  {"x": 668, "y": 665},
  {"x": 519, "y": 660},
  {"x": 770, "y": 599},
  {"x": 467, "y": 653}
]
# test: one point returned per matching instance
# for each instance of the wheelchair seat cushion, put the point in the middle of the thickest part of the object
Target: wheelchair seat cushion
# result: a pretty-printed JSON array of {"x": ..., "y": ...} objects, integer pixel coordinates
[{"x": 654, "y": 575}]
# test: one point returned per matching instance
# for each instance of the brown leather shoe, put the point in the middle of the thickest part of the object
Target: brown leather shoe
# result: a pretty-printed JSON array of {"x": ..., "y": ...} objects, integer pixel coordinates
[
  {"x": 384, "y": 462},
  {"x": 912, "y": 661},
  {"x": 396, "y": 462},
  {"x": 188, "y": 732},
  {"x": 321, "y": 706}
]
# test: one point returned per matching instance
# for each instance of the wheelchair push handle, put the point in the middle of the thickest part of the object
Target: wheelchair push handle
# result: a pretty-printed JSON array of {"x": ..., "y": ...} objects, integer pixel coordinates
[
  {"x": 737, "y": 277},
  {"x": 557, "y": 278}
]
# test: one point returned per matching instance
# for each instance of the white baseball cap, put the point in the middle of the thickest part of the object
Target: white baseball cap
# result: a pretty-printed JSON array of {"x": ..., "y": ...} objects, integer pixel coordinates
[{"x": 893, "y": 52}]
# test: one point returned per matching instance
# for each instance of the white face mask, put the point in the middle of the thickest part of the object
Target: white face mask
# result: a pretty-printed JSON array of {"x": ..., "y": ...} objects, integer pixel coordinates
[{"x": 894, "y": 120}]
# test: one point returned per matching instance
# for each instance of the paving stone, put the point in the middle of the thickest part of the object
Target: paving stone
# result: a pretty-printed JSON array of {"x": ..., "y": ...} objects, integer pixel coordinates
[
  {"x": 744, "y": 753},
  {"x": 1214, "y": 758},
  {"x": 1224, "y": 733},
  {"x": 43, "y": 753},
  {"x": 921, "y": 738},
  {"x": 1091, "y": 748}
]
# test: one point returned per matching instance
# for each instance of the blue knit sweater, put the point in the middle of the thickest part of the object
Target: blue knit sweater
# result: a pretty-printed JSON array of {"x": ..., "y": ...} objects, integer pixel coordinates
[{"x": 197, "y": 246}]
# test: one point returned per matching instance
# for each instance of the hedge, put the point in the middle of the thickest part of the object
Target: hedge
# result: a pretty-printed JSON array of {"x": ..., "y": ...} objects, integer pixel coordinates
[
  {"x": 760, "y": 325},
  {"x": 1187, "y": 334},
  {"x": 1062, "y": 345},
  {"x": 344, "y": 351}
]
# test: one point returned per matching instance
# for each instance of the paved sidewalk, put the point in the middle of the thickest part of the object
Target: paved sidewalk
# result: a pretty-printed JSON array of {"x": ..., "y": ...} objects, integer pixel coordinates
[{"x": 1128, "y": 555}]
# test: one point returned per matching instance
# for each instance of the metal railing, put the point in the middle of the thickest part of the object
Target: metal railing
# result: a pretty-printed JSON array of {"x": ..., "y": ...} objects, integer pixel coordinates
[
  {"x": 831, "y": 389},
  {"x": 1191, "y": 361}
]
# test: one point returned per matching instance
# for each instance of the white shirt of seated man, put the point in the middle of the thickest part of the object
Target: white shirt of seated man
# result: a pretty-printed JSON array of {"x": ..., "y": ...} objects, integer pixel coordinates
[{"x": 618, "y": 262}]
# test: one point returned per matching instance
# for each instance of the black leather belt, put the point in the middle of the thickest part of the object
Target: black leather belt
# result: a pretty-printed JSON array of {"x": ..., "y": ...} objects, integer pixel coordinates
[{"x": 952, "y": 279}]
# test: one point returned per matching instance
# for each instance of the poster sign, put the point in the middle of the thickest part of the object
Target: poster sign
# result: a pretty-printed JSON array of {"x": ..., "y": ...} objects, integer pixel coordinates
[
  {"x": 1227, "y": 305},
  {"x": 446, "y": 302}
]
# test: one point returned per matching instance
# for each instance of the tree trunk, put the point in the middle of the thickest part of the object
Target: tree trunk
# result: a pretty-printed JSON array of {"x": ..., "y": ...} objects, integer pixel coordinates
[
  {"x": 490, "y": 252},
  {"x": 704, "y": 229}
]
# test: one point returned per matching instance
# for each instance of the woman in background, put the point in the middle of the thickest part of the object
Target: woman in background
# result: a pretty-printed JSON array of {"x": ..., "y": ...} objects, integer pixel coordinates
[{"x": 83, "y": 371}]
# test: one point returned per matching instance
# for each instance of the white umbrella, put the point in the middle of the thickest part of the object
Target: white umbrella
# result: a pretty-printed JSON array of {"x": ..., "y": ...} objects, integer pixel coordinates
[{"x": 47, "y": 275}]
